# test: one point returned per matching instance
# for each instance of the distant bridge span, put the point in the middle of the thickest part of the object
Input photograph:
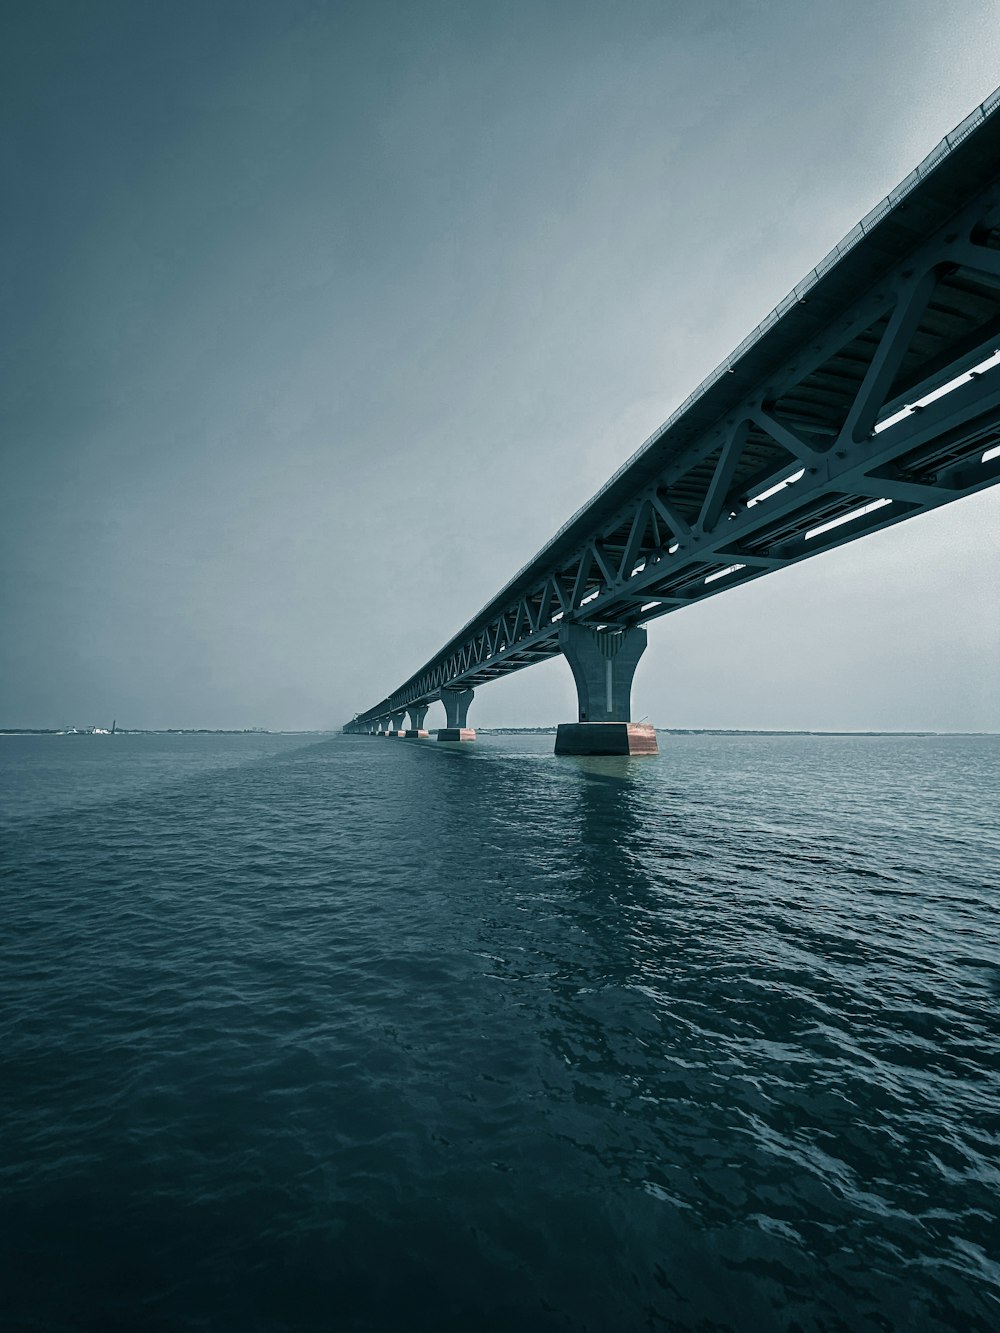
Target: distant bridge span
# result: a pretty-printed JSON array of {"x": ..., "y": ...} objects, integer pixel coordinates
[{"x": 870, "y": 394}]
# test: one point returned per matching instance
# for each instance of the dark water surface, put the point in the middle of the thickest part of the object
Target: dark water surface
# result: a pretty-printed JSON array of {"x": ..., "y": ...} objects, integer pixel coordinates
[{"x": 361, "y": 1034}]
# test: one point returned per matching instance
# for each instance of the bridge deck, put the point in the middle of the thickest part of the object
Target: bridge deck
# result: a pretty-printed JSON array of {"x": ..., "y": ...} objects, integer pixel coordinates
[{"x": 869, "y": 394}]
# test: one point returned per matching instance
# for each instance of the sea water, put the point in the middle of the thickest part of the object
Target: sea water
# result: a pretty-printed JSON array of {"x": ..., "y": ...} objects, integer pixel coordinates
[{"x": 349, "y": 1034}]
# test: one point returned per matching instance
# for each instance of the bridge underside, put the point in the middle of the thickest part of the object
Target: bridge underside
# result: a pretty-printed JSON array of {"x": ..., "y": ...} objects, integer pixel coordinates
[{"x": 872, "y": 395}]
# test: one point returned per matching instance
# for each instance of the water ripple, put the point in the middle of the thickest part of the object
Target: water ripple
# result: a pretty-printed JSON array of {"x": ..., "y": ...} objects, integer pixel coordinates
[{"x": 357, "y": 1036}]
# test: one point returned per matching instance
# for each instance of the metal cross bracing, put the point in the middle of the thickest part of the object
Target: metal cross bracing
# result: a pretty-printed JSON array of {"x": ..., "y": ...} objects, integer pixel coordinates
[{"x": 872, "y": 396}]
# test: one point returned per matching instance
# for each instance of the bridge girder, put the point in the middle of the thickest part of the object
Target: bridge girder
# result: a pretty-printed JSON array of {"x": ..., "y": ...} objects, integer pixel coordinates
[{"x": 868, "y": 410}]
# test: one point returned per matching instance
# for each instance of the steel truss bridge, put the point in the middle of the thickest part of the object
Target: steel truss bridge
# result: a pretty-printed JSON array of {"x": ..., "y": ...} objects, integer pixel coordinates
[{"x": 869, "y": 395}]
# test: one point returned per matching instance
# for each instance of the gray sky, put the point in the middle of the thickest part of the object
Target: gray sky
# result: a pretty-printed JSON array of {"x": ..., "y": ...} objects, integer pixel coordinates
[{"x": 319, "y": 319}]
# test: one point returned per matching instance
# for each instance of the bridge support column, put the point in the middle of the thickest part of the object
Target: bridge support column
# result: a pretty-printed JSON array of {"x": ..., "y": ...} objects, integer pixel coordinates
[
  {"x": 417, "y": 714},
  {"x": 396, "y": 721},
  {"x": 456, "y": 707},
  {"x": 603, "y": 665}
]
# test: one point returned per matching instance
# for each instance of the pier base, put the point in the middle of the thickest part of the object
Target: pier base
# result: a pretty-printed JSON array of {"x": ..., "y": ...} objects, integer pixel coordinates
[
  {"x": 456, "y": 733},
  {"x": 606, "y": 738},
  {"x": 415, "y": 734}
]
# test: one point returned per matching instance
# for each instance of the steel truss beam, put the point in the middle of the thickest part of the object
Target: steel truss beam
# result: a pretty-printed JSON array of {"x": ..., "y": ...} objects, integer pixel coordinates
[{"x": 853, "y": 427}]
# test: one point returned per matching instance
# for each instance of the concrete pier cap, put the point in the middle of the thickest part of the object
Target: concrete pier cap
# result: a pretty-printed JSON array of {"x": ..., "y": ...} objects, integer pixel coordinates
[{"x": 603, "y": 663}]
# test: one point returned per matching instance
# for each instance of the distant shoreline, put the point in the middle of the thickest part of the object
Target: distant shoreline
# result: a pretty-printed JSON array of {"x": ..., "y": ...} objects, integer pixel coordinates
[
  {"x": 161, "y": 731},
  {"x": 734, "y": 731},
  {"x": 482, "y": 731}
]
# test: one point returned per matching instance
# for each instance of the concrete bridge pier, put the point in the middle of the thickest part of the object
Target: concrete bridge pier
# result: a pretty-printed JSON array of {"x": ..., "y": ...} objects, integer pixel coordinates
[
  {"x": 416, "y": 729},
  {"x": 603, "y": 664},
  {"x": 396, "y": 721},
  {"x": 456, "y": 707}
]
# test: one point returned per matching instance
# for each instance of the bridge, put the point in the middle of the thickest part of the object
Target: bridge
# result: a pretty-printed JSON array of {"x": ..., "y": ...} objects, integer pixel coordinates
[{"x": 869, "y": 395}]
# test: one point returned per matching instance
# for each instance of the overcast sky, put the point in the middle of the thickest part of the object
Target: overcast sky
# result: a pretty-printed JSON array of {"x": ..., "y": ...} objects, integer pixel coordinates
[{"x": 320, "y": 318}]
